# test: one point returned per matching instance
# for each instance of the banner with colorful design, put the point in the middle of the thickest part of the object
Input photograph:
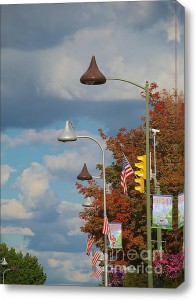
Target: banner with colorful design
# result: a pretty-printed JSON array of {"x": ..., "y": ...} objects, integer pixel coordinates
[
  {"x": 180, "y": 210},
  {"x": 115, "y": 240},
  {"x": 162, "y": 211}
]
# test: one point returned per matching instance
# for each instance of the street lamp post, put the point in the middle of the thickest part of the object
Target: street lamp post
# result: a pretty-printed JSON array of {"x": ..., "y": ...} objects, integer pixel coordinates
[
  {"x": 93, "y": 76},
  {"x": 68, "y": 135},
  {"x": 4, "y": 274},
  {"x": 157, "y": 189},
  {"x": 4, "y": 263}
]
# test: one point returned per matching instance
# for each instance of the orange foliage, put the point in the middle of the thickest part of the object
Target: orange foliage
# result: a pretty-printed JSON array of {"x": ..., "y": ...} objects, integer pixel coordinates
[{"x": 167, "y": 115}]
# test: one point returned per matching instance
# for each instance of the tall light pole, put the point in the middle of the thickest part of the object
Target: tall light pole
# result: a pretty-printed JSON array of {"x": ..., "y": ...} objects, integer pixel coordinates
[
  {"x": 157, "y": 188},
  {"x": 93, "y": 76},
  {"x": 68, "y": 135},
  {"x": 7, "y": 270},
  {"x": 154, "y": 132},
  {"x": 4, "y": 263}
]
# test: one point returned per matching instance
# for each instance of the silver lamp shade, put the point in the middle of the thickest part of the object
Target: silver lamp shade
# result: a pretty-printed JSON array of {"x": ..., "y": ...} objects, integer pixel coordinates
[
  {"x": 87, "y": 202},
  {"x": 68, "y": 134},
  {"x": 4, "y": 262}
]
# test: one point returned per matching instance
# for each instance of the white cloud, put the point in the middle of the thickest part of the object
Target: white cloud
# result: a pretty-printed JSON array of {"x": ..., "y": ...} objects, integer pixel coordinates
[
  {"x": 67, "y": 162},
  {"x": 65, "y": 267},
  {"x": 173, "y": 30},
  {"x": 31, "y": 136},
  {"x": 34, "y": 180},
  {"x": 55, "y": 72},
  {"x": 6, "y": 171},
  {"x": 73, "y": 226},
  {"x": 17, "y": 230},
  {"x": 69, "y": 217},
  {"x": 35, "y": 193},
  {"x": 71, "y": 267},
  {"x": 72, "y": 160},
  {"x": 13, "y": 209},
  {"x": 53, "y": 262},
  {"x": 65, "y": 63},
  {"x": 34, "y": 136},
  {"x": 66, "y": 206}
]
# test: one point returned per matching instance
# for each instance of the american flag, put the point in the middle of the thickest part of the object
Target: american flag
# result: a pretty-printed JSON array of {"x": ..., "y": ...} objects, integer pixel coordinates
[
  {"x": 95, "y": 258},
  {"x": 127, "y": 171},
  {"x": 89, "y": 243},
  {"x": 106, "y": 227},
  {"x": 96, "y": 273}
]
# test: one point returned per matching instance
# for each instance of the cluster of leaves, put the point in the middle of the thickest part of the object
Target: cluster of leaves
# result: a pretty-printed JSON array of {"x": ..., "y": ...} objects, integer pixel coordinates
[
  {"x": 116, "y": 277},
  {"x": 141, "y": 280},
  {"x": 24, "y": 269},
  {"x": 136, "y": 280},
  {"x": 172, "y": 265},
  {"x": 167, "y": 115}
]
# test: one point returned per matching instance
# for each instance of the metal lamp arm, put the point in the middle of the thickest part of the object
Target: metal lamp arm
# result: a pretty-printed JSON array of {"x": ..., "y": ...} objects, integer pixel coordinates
[
  {"x": 103, "y": 158},
  {"x": 128, "y": 81},
  {"x": 4, "y": 274}
]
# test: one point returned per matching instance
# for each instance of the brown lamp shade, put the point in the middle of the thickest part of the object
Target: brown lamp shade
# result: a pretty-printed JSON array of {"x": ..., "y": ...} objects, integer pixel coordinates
[
  {"x": 93, "y": 75},
  {"x": 84, "y": 174}
]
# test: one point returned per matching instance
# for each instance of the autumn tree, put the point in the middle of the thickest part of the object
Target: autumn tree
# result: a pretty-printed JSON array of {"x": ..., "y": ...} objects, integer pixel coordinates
[{"x": 167, "y": 115}]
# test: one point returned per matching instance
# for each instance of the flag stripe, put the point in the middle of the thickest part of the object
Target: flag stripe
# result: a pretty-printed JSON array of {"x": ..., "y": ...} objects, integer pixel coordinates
[
  {"x": 127, "y": 172},
  {"x": 95, "y": 258},
  {"x": 106, "y": 227},
  {"x": 89, "y": 243},
  {"x": 96, "y": 274}
]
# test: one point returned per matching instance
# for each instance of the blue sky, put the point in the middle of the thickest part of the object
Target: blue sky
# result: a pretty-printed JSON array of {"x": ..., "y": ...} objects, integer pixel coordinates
[{"x": 45, "y": 48}]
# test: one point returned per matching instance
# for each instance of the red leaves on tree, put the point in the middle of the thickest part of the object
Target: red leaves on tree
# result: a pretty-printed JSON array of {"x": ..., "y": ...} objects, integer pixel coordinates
[{"x": 167, "y": 115}]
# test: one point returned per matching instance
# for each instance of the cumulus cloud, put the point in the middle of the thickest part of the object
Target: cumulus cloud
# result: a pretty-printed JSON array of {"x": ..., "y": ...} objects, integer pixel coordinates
[
  {"x": 41, "y": 65},
  {"x": 6, "y": 171},
  {"x": 35, "y": 193},
  {"x": 69, "y": 217},
  {"x": 70, "y": 163},
  {"x": 34, "y": 136},
  {"x": 17, "y": 230},
  {"x": 71, "y": 267},
  {"x": 46, "y": 79},
  {"x": 31, "y": 136},
  {"x": 63, "y": 230},
  {"x": 68, "y": 18},
  {"x": 13, "y": 209},
  {"x": 56, "y": 71},
  {"x": 41, "y": 210},
  {"x": 66, "y": 267},
  {"x": 34, "y": 180}
]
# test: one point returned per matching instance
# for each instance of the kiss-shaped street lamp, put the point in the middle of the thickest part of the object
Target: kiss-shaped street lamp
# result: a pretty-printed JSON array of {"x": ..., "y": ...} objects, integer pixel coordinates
[
  {"x": 68, "y": 135},
  {"x": 4, "y": 262},
  {"x": 84, "y": 174},
  {"x": 88, "y": 202},
  {"x": 94, "y": 76}
]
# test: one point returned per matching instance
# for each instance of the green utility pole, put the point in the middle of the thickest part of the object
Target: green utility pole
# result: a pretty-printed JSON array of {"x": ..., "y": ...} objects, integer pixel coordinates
[
  {"x": 93, "y": 76},
  {"x": 149, "y": 242}
]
